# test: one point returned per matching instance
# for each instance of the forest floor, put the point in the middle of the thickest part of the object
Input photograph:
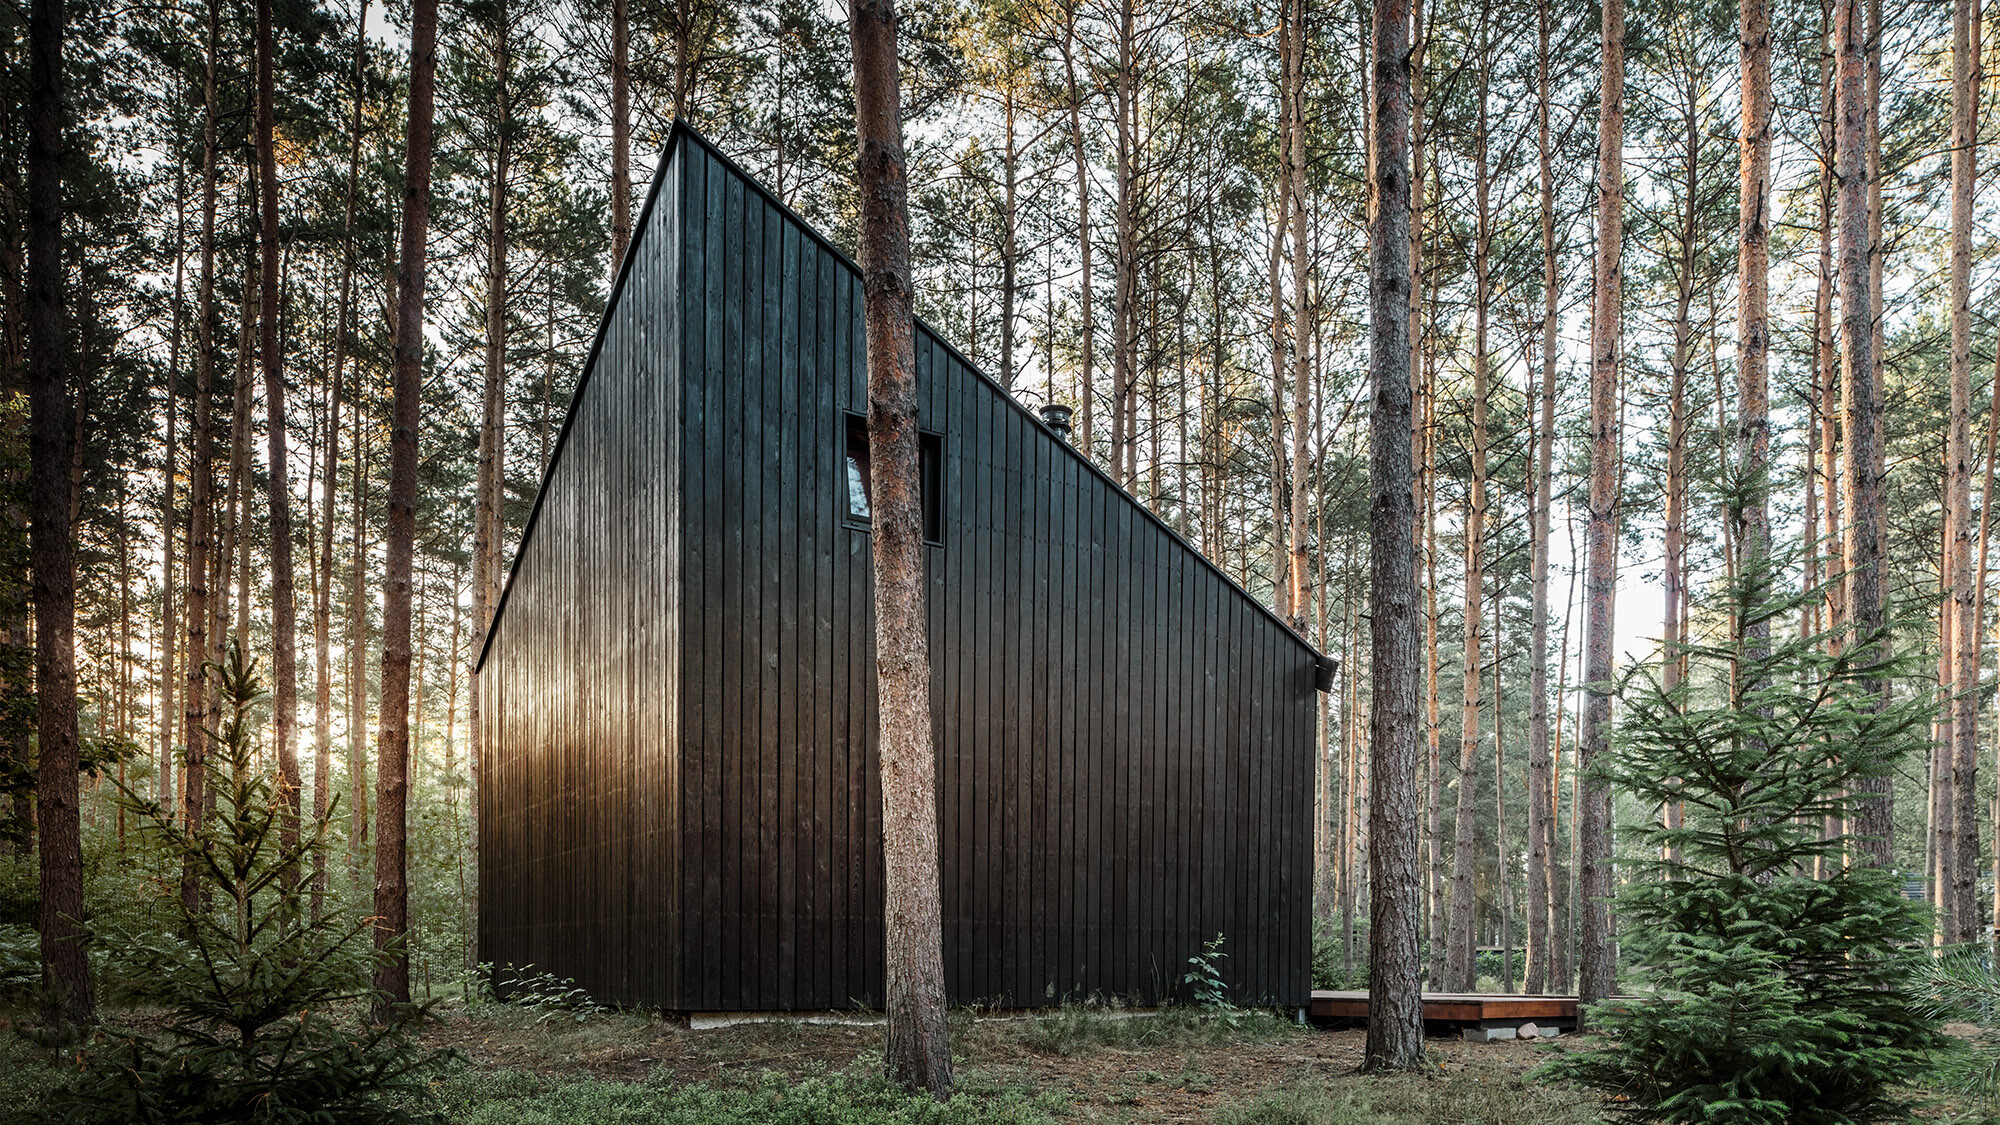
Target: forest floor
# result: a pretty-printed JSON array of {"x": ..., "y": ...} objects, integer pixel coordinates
[
  {"x": 515, "y": 1066},
  {"x": 1076, "y": 1064}
]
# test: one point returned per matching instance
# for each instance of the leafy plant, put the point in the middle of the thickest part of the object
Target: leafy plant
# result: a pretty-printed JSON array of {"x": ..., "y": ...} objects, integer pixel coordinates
[
  {"x": 1206, "y": 988},
  {"x": 247, "y": 978},
  {"x": 1768, "y": 995},
  {"x": 551, "y": 995}
]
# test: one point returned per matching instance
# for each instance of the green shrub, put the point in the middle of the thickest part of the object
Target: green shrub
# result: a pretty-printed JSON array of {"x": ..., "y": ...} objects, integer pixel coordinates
[
  {"x": 249, "y": 982},
  {"x": 1768, "y": 996}
]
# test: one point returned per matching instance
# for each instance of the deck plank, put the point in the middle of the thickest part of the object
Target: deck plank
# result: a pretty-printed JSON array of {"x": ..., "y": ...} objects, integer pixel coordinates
[{"x": 1451, "y": 1007}]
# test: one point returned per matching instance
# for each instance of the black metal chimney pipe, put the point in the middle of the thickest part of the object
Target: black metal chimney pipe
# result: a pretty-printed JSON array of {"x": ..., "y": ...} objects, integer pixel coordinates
[{"x": 1056, "y": 417}]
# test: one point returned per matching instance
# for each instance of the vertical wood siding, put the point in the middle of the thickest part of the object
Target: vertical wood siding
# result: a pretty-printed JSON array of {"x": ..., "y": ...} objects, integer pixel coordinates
[
  {"x": 579, "y": 810},
  {"x": 681, "y": 723}
]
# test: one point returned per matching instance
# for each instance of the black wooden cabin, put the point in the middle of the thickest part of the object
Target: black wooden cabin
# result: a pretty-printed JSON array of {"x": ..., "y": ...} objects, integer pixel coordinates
[{"x": 679, "y": 803}]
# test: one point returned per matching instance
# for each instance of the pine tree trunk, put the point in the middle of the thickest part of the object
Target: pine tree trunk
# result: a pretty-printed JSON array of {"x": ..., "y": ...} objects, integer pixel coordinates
[
  {"x": 201, "y": 487},
  {"x": 918, "y": 1053},
  {"x": 68, "y": 999},
  {"x": 169, "y": 633},
  {"x": 1964, "y": 713},
  {"x": 1461, "y": 969},
  {"x": 1124, "y": 294},
  {"x": 621, "y": 132},
  {"x": 323, "y": 594},
  {"x": 1753, "y": 343},
  {"x": 1295, "y": 158},
  {"x": 1395, "y": 1028},
  {"x": 392, "y": 904},
  {"x": 1599, "y": 972},
  {"x": 487, "y": 521},
  {"x": 1862, "y": 538},
  {"x": 1541, "y": 808},
  {"x": 284, "y": 611},
  {"x": 1087, "y": 307}
]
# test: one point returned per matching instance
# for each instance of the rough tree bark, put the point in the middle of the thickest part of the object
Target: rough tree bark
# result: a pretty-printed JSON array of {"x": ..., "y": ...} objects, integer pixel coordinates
[
  {"x": 621, "y": 132},
  {"x": 201, "y": 484},
  {"x": 52, "y": 552},
  {"x": 919, "y": 1049},
  {"x": 1295, "y": 160},
  {"x": 284, "y": 610},
  {"x": 1963, "y": 713},
  {"x": 392, "y": 754},
  {"x": 1753, "y": 341},
  {"x": 1461, "y": 969},
  {"x": 1861, "y": 536},
  {"x": 486, "y": 534},
  {"x": 1541, "y": 819},
  {"x": 323, "y": 593},
  {"x": 1597, "y": 978},
  {"x": 1396, "y": 1027},
  {"x": 1086, "y": 324}
]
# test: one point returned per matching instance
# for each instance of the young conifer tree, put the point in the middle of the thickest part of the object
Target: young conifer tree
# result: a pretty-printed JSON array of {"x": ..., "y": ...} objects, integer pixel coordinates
[
  {"x": 1763, "y": 994},
  {"x": 252, "y": 985}
]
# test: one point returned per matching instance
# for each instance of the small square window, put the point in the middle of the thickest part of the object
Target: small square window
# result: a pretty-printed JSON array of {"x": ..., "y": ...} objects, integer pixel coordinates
[{"x": 859, "y": 485}]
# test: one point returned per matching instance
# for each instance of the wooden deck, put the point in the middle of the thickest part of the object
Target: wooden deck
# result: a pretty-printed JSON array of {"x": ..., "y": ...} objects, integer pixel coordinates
[{"x": 1457, "y": 1008}]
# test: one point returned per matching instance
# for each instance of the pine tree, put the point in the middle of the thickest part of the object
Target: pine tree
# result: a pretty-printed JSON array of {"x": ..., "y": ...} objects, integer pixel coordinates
[
  {"x": 250, "y": 982},
  {"x": 1764, "y": 994}
]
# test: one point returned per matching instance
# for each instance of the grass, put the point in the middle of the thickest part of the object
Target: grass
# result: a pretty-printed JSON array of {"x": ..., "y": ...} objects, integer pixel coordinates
[
  {"x": 1079, "y": 1065},
  {"x": 1075, "y": 1029},
  {"x": 839, "y": 1098}
]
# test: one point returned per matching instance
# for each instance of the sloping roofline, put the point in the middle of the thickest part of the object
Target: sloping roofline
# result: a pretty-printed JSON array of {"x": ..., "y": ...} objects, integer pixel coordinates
[{"x": 681, "y": 128}]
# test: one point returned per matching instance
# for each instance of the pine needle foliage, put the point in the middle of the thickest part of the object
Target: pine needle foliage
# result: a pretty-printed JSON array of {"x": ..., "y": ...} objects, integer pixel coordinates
[
  {"x": 1961, "y": 984},
  {"x": 1765, "y": 994},
  {"x": 250, "y": 984}
]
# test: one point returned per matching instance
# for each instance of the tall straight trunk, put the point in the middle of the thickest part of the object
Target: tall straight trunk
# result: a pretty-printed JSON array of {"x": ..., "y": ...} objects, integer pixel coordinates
[
  {"x": 1461, "y": 969},
  {"x": 1504, "y": 877},
  {"x": 918, "y": 1053},
  {"x": 1541, "y": 807},
  {"x": 1010, "y": 253},
  {"x": 392, "y": 755},
  {"x": 52, "y": 552},
  {"x": 621, "y": 131},
  {"x": 1396, "y": 1026},
  {"x": 235, "y": 527},
  {"x": 1281, "y": 558},
  {"x": 284, "y": 612},
  {"x": 357, "y": 659},
  {"x": 1753, "y": 342},
  {"x": 1965, "y": 651},
  {"x": 1124, "y": 441},
  {"x": 1432, "y": 871},
  {"x": 1823, "y": 347},
  {"x": 1979, "y": 590},
  {"x": 487, "y": 528},
  {"x": 1295, "y": 158},
  {"x": 1086, "y": 306},
  {"x": 1597, "y": 979},
  {"x": 323, "y": 594},
  {"x": 201, "y": 485},
  {"x": 1433, "y": 708},
  {"x": 1687, "y": 242},
  {"x": 1861, "y": 537},
  {"x": 169, "y": 625}
]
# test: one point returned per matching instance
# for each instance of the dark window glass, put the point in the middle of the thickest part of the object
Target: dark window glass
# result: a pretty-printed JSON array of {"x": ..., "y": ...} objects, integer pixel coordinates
[
  {"x": 858, "y": 482},
  {"x": 930, "y": 470}
]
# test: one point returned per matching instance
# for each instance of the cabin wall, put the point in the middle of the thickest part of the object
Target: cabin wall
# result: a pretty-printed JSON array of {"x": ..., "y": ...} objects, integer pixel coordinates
[
  {"x": 1125, "y": 738},
  {"x": 579, "y": 798}
]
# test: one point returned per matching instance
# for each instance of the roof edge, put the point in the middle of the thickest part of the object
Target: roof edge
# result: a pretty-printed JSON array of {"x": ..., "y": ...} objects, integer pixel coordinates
[{"x": 1324, "y": 665}]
